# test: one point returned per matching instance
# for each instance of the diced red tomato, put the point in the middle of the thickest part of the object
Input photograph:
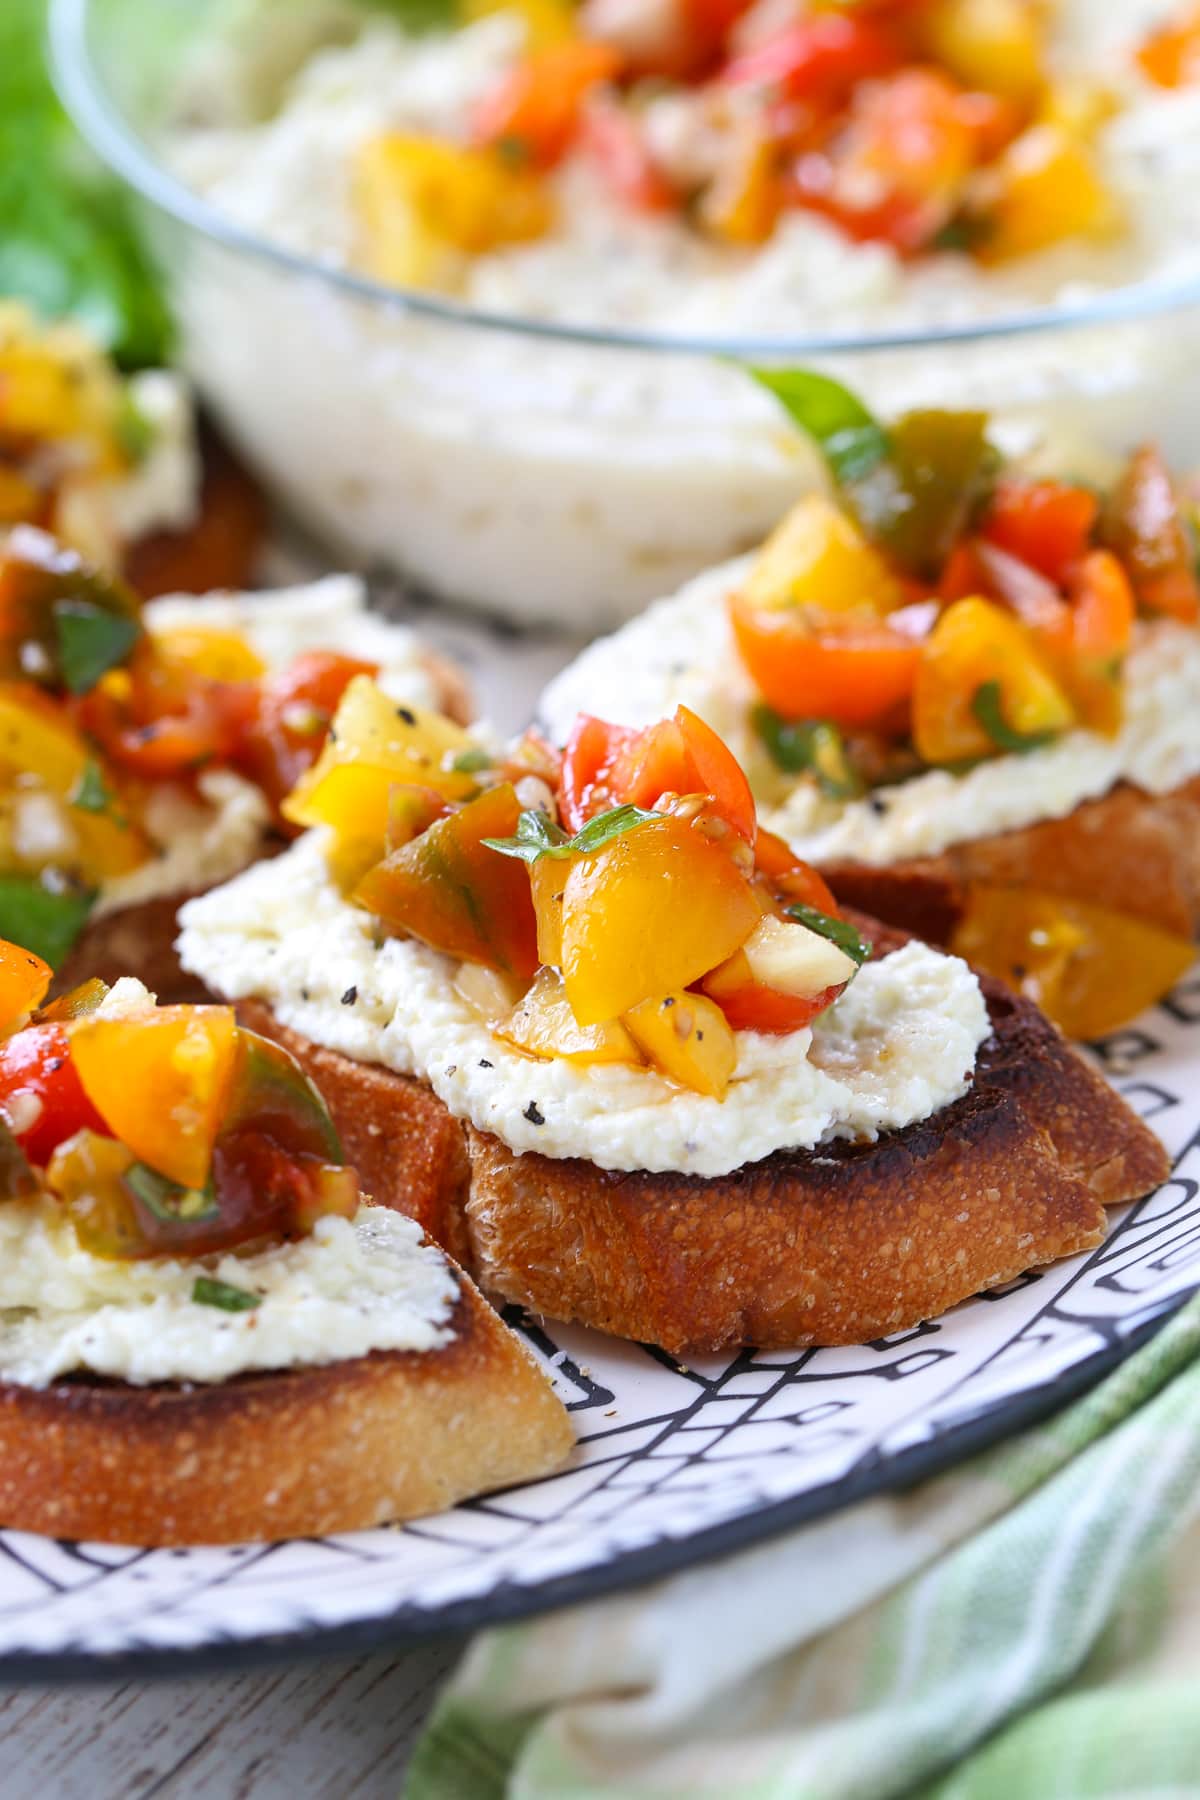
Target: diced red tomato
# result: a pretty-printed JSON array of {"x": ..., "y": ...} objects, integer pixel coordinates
[
  {"x": 1045, "y": 523},
  {"x": 1142, "y": 524},
  {"x": 611, "y": 765},
  {"x": 291, "y": 718},
  {"x": 537, "y": 109},
  {"x": 611, "y": 137},
  {"x": 41, "y": 1097},
  {"x": 158, "y": 731},
  {"x": 785, "y": 876},
  {"x": 750, "y": 1006},
  {"x": 822, "y": 57}
]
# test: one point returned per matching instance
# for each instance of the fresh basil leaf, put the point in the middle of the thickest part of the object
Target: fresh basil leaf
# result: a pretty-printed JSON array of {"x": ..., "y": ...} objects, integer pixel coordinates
[
  {"x": 538, "y": 835},
  {"x": 470, "y": 762},
  {"x": 41, "y": 920},
  {"x": 987, "y": 705},
  {"x": 135, "y": 433},
  {"x": 222, "y": 1294},
  {"x": 809, "y": 747},
  {"x": 166, "y": 1199},
  {"x": 91, "y": 641},
  {"x": 91, "y": 792},
  {"x": 851, "y": 439},
  {"x": 68, "y": 240},
  {"x": 838, "y": 931},
  {"x": 421, "y": 15}
]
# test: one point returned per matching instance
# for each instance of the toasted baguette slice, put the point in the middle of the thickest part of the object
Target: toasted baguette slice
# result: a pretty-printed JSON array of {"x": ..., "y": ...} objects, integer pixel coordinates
[
  {"x": 300, "y": 1453},
  {"x": 1135, "y": 852},
  {"x": 840, "y": 1245},
  {"x": 140, "y": 940}
]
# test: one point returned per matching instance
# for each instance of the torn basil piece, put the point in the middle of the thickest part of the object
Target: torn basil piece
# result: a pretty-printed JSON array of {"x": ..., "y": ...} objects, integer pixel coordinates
[
  {"x": 838, "y": 931},
  {"x": 809, "y": 747},
  {"x": 166, "y": 1199},
  {"x": 987, "y": 705},
  {"x": 538, "y": 835},
  {"x": 40, "y": 919},
  {"x": 223, "y": 1295},
  {"x": 90, "y": 642}
]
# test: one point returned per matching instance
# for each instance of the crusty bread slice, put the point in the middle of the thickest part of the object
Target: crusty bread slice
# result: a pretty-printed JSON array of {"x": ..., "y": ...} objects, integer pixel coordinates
[
  {"x": 1135, "y": 852},
  {"x": 140, "y": 940},
  {"x": 840, "y": 1245},
  {"x": 300, "y": 1453}
]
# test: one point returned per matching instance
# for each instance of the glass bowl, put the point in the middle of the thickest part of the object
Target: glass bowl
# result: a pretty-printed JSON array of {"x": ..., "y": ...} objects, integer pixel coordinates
[{"x": 551, "y": 474}]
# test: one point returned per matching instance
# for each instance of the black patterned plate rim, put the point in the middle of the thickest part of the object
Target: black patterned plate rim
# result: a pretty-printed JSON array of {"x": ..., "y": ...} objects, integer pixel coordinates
[{"x": 508, "y": 1603}]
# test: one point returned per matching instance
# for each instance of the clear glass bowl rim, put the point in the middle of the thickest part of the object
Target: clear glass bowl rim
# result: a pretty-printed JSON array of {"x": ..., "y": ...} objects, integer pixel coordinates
[{"x": 101, "y": 122}]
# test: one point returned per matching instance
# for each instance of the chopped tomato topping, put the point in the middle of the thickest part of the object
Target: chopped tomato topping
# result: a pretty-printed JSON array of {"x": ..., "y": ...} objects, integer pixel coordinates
[
  {"x": 613, "y": 140},
  {"x": 41, "y": 1096},
  {"x": 291, "y": 718},
  {"x": 1045, "y": 523},
  {"x": 820, "y": 58},
  {"x": 610, "y": 765},
  {"x": 860, "y": 673},
  {"x": 536, "y": 111},
  {"x": 24, "y": 979}
]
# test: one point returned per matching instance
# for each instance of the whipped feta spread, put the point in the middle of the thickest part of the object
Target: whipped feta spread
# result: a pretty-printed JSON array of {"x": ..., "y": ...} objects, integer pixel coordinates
[
  {"x": 682, "y": 652},
  {"x": 205, "y": 835},
  {"x": 571, "y": 483},
  {"x": 898, "y": 1045},
  {"x": 350, "y": 1288}
]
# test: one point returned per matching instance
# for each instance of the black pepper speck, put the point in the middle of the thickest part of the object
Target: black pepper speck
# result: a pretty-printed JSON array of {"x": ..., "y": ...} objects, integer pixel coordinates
[
  {"x": 350, "y": 996},
  {"x": 533, "y": 1114},
  {"x": 484, "y": 1063},
  {"x": 407, "y": 714}
]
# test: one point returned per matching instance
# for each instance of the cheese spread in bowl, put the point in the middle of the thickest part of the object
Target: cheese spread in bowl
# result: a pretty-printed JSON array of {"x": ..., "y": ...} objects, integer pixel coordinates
[
  {"x": 899, "y": 1045},
  {"x": 555, "y": 441}
]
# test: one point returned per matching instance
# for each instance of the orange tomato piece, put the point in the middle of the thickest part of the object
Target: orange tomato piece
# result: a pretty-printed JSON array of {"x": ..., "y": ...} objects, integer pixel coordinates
[
  {"x": 1047, "y": 524},
  {"x": 161, "y": 1083},
  {"x": 450, "y": 890},
  {"x": 537, "y": 109},
  {"x": 24, "y": 979},
  {"x": 785, "y": 875},
  {"x": 649, "y": 914},
  {"x": 1170, "y": 56},
  {"x": 861, "y": 674},
  {"x": 1089, "y": 968}
]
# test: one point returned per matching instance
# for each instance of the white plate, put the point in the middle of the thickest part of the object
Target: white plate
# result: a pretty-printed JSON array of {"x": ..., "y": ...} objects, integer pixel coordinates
[{"x": 673, "y": 1463}]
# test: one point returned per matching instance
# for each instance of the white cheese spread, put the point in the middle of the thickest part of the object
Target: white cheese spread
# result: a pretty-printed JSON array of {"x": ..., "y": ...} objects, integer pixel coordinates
[
  {"x": 570, "y": 483},
  {"x": 900, "y": 1043},
  {"x": 350, "y": 1288},
  {"x": 202, "y": 840},
  {"x": 682, "y": 651}
]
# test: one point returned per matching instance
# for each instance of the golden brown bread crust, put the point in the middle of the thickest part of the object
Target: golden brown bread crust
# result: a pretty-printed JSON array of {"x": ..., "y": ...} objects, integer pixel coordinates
[
  {"x": 295, "y": 1454},
  {"x": 838, "y": 1246},
  {"x": 1138, "y": 853},
  {"x": 140, "y": 940},
  {"x": 410, "y": 1153}
]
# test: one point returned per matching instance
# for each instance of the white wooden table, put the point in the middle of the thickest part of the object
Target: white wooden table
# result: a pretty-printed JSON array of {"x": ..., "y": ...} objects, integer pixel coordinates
[{"x": 316, "y": 1730}]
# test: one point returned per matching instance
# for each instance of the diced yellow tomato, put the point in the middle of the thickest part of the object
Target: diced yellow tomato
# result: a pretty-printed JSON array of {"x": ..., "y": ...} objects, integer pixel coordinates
[
  {"x": 454, "y": 893},
  {"x": 686, "y": 1037},
  {"x": 1078, "y": 105},
  {"x": 161, "y": 1082},
  {"x": 993, "y": 45},
  {"x": 1089, "y": 968},
  {"x": 975, "y": 645},
  {"x": 205, "y": 651},
  {"x": 20, "y": 498},
  {"x": 818, "y": 559},
  {"x": 542, "y": 1024},
  {"x": 548, "y": 884},
  {"x": 742, "y": 204},
  {"x": 39, "y": 742},
  {"x": 423, "y": 205},
  {"x": 650, "y": 912},
  {"x": 406, "y": 744},
  {"x": 1046, "y": 188},
  {"x": 24, "y": 979},
  {"x": 85, "y": 1176},
  {"x": 545, "y": 21}
]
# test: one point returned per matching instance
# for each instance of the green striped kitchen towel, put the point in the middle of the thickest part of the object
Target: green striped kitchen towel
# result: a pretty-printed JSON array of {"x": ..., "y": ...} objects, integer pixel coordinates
[{"x": 1026, "y": 1625}]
